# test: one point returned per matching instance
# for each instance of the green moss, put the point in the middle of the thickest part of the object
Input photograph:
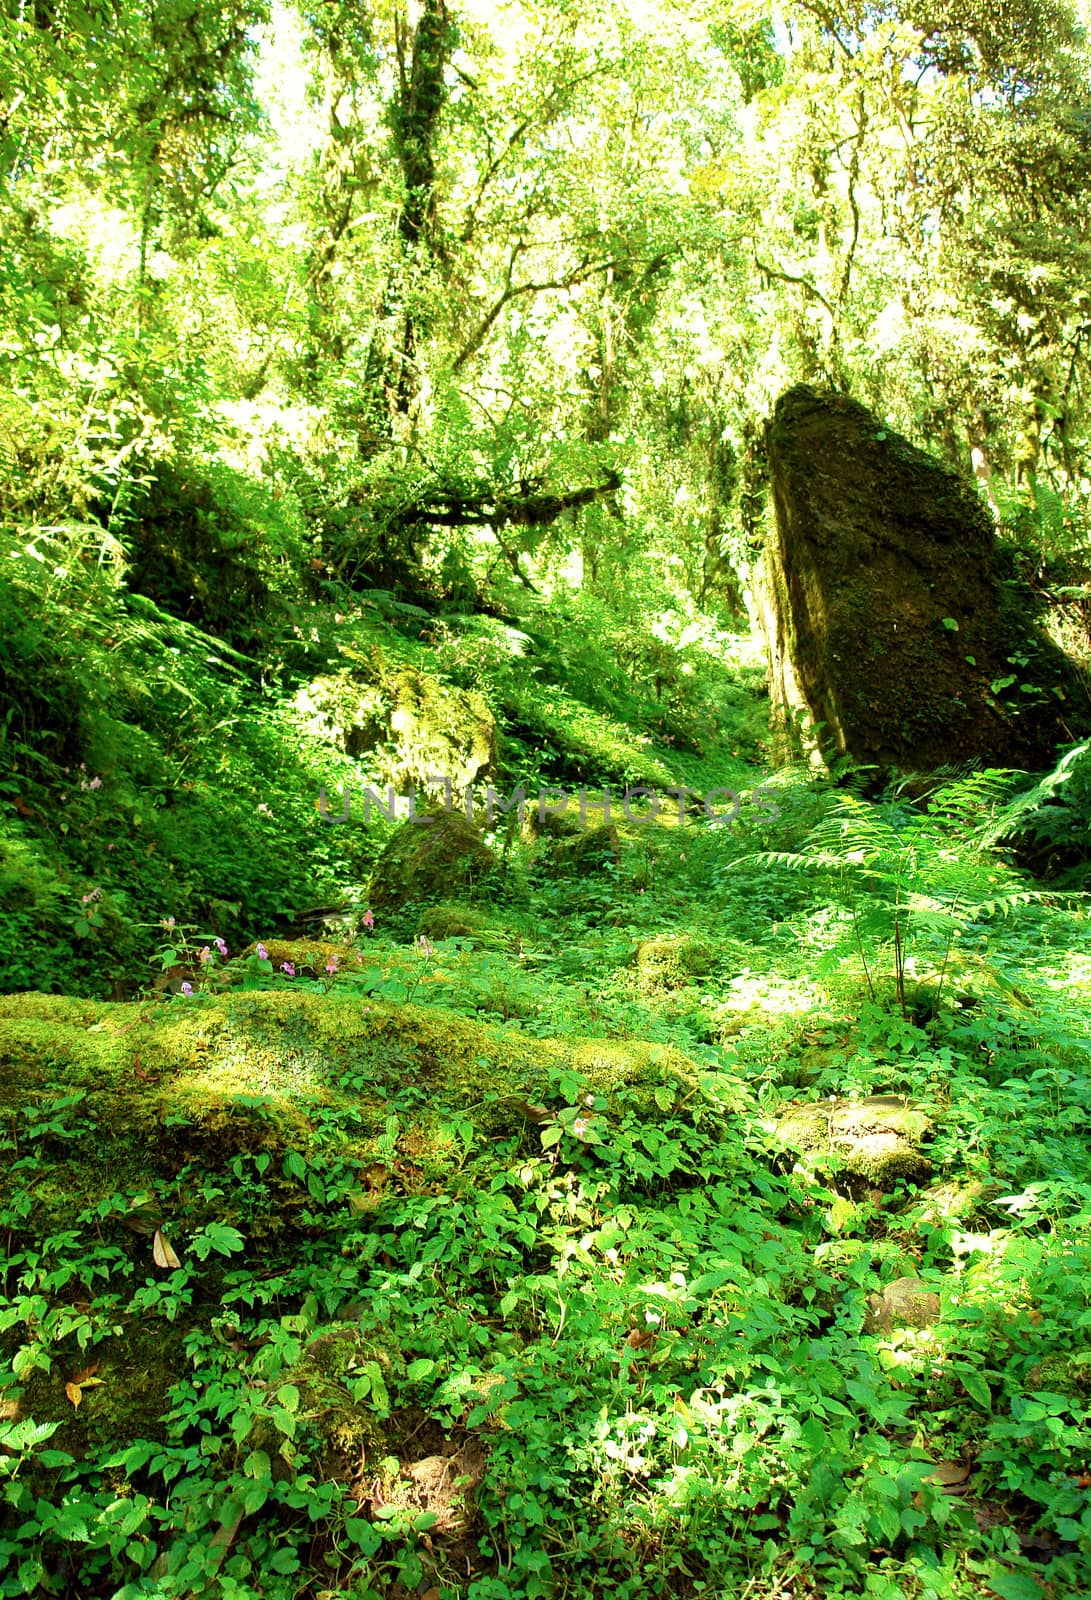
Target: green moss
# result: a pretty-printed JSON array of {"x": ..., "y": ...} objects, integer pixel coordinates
[
  {"x": 429, "y": 860},
  {"x": 208, "y": 1078},
  {"x": 671, "y": 963}
]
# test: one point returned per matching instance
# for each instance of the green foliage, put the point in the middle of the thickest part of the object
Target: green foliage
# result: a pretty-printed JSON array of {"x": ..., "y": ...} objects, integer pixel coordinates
[{"x": 406, "y": 1326}]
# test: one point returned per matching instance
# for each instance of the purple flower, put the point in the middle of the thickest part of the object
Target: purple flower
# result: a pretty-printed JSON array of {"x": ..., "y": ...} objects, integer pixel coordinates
[
  {"x": 221, "y": 947},
  {"x": 331, "y": 965},
  {"x": 368, "y": 919},
  {"x": 425, "y": 946},
  {"x": 263, "y": 954},
  {"x": 286, "y": 966},
  {"x": 186, "y": 988}
]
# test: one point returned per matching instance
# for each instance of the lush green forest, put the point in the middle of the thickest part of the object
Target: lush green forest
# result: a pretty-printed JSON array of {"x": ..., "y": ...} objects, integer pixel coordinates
[{"x": 493, "y": 1106}]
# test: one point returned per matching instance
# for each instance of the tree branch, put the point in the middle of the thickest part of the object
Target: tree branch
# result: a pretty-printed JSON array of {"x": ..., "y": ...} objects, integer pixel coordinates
[{"x": 499, "y": 510}]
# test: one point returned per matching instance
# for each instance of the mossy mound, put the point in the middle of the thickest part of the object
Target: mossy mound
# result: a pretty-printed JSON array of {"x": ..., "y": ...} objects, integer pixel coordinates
[
  {"x": 671, "y": 963},
  {"x": 310, "y": 957},
  {"x": 590, "y": 851},
  {"x": 138, "y": 1091},
  {"x": 202, "y": 1145},
  {"x": 429, "y": 859},
  {"x": 876, "y": 1140},
  {"x": 451, "y": 922}
]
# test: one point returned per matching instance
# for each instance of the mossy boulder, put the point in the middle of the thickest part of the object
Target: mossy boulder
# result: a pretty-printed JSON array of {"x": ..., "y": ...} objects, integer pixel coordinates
[
  {"x": 451, "y": 922},
  {"x": 905, "y": 1303},
  {"x": 877, "y": 1140},
  {"x": 1060, "y": 1374},
  {"x": 430, "y": 858},
  {"x": 890, "y": 619},
  {"x": 129, "y": 1093},
  {"x": 672, "y": 962},
  {"x": 590, "y": 850},
  {"x": 413, "y": 728},
  {"x": 310, "y": 957}
]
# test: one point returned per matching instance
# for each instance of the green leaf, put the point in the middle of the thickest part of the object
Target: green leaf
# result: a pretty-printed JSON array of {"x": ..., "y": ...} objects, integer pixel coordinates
[
  {"x": 950, "y": 624},
  {"x": 1014, "y": 1585},
  {"x": 421, "y": 1368},
  {"x": 361, "y": 1533},
  {"x": 974, "y": 1384},
  {"x": 224, "y": 1239},
  {"x": 288, "y": 1396}
]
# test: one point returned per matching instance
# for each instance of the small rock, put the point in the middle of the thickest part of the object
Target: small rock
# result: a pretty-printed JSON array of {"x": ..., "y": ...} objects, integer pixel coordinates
[
  {"x": 877, "y": 1139},
  {"x": 905, "y": 1303}
]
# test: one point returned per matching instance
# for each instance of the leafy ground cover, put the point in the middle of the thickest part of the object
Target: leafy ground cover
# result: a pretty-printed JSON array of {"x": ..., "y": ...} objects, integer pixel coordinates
[{"x": 488, "y": 1265}]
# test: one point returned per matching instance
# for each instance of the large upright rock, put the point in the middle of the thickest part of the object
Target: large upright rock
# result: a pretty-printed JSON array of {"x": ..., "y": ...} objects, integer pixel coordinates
[{"x": 886, "y": 618}]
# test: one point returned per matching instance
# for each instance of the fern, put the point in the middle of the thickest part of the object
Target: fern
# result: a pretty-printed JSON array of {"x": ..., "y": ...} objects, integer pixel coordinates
[{"x": 907, "y": 872}]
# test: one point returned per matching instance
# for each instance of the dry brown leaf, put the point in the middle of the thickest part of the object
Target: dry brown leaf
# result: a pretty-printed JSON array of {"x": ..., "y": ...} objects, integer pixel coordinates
[
  {"x": 9, "y": 1411},
  {"x": 162, "y": 1252},
  {"x": 950, "y": 1476},
  {"x": 535, "y": 1113},
  {"x": 74, "y": 1393},
  {"x": 641, "y": 1338}
]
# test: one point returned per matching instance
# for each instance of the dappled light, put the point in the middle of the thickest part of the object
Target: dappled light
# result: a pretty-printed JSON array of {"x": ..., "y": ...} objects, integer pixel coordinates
[{"x": 545, "y": 782}]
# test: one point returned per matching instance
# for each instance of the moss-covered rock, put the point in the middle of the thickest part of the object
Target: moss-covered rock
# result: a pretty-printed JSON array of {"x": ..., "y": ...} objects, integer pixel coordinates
[
  {"x": 905, "y": 1303},
  {"x": 143, "y": 1127},
  {"x": 451, "y": 922},
  {"x": 413, "y": 727},
  {"x": 431, "y": 858},
  {"x": 590, "y": 850},
  {"x": 889, "y": 619},
  {"x": 877, "y": 1139},
  {"x": 311, "y": 958},
  {"x": 139, "y": 1091},
  {"x": 671, "y": 963}
]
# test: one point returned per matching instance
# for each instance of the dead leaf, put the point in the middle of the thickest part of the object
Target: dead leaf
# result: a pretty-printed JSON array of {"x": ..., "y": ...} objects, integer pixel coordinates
[
  {"x": 641, "y": 1338},
  {"x": 9, "y": 1411},
  {"x": 143, "y": 1219},
  {"x": 535, "y": 1113},
  {"x": 950, "y": 1476},
  {"x": 162, "y": 1253}
]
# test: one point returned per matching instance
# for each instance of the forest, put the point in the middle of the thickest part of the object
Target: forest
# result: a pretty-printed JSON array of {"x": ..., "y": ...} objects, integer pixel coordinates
[{"x": 545, "y": 784}]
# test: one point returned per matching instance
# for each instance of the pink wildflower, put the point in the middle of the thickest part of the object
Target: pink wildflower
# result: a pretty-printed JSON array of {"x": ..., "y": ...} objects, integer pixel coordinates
[
  {"x": 263, "y": 954},
  {"x": 368, "y": 919},
  {"x": 221, "y": 947},
  {"x": 186, "y": 988},
  {"x": 332, "y": 965},
  {"x": 204, "y": 956},
  {"x": 286, "y": 966}
]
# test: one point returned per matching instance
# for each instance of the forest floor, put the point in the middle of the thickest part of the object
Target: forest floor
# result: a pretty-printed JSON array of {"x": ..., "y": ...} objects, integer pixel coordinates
[{"x": 707, "y": 1214}]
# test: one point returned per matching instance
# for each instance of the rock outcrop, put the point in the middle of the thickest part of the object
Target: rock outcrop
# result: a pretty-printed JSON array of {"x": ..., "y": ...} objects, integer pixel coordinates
[
  {"x": 412, "y": 727},
  {"x": 890, "y": 622}
]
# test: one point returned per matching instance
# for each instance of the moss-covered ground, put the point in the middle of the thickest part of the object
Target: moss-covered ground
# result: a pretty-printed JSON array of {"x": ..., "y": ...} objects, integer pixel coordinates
[{"x": 566, "y": 1206}]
